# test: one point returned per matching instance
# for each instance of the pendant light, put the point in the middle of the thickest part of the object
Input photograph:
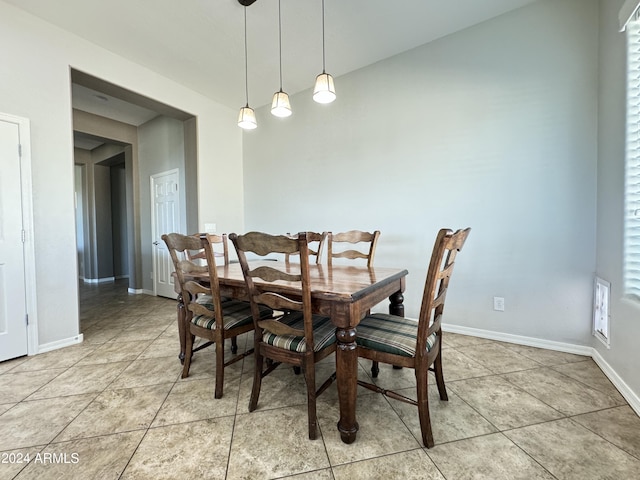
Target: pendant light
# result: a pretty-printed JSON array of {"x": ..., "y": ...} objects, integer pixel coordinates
[
  {"x": 247, "y": 117},
  {"x": 324, "y": 90},
  {"x": 280, "y": 106}
]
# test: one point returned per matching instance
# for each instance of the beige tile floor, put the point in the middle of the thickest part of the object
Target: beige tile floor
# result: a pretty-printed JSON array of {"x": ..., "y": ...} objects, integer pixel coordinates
[{"x": 115, "y": 407}]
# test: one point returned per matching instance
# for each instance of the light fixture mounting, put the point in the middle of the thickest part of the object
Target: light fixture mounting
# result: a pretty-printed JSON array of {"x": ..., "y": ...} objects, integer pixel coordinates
[{"x": 246, "y": 3}]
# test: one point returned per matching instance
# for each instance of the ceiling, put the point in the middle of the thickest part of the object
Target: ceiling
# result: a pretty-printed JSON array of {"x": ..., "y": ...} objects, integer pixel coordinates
[{"x": 200, "y": 43}]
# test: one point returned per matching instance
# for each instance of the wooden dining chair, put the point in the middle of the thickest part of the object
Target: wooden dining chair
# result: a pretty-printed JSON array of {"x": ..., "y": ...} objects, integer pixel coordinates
[
  {"x": 208, "y": 315},
  {"x": 416, "y": 344},
  {"x": 315, "y": 251},
  {"x": 296, "y": 338},
  {"x": 216, "y": 241},
  {"x": 349, "y": 251}
]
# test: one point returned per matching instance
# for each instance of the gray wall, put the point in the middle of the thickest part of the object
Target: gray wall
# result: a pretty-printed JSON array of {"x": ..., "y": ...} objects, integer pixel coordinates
[
  {"x": 623, "y": 356},
  {"x": 160, "y": 148},
  {"x": 494, "y": 128},
  {"x": 119, "y": 220}
]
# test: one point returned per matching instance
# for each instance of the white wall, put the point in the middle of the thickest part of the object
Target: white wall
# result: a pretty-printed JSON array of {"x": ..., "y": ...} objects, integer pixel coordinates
[
  {"x": 624, "y": 356},
  {"x": 37, "y": 86},
  {"x": 494, "y": 128}
]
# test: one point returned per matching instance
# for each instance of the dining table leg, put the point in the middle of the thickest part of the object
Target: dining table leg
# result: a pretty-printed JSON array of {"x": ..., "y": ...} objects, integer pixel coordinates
[
  {"x": 396, "y": 305},
  {"x": 347, "y": 380}
]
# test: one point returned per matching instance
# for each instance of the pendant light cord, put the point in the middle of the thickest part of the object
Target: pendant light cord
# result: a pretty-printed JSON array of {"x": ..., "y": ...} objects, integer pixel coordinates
[
  {"x": 246, "y": 61},
  {"x": 280, "y": 40},
  {"x": 323, "y": 61}
]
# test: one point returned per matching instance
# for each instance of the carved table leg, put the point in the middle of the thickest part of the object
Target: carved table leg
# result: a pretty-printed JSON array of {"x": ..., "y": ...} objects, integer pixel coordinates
[
  {"x": 347, "y": 379},
  {"x": 181, "y": 330},
  {"x": 396, "y": 307}
]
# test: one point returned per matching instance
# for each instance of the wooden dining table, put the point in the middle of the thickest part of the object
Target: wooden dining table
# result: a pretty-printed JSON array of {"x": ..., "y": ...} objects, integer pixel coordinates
[{"x": 346, "y": 294}]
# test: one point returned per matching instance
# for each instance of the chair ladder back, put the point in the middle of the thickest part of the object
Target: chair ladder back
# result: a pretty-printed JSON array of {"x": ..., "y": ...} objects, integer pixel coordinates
[
  {"x": 214, "y": 239},
  {"x": 263, "y": 244},
  {"x": 441, "y": 265},
  {"x": 178, "y": 243},
  {"x": 214, "y": 283}
]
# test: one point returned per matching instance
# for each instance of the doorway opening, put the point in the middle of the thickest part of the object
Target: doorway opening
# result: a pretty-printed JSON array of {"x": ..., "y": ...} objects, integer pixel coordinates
[{"x": 121, "y": 140}]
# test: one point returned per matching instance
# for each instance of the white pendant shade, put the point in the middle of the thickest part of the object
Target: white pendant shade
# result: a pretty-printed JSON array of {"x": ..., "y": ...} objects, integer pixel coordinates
[
  {"x": 324, "y": 91},
  {"x": 247, "y": 118},
  {"x": 280, "y": 107}
]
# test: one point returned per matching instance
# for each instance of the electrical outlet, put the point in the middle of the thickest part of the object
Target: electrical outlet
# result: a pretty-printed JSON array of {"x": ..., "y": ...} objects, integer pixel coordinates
[
  {"x": 210, "y": 227},
  {"x": 498, "y": 304}
]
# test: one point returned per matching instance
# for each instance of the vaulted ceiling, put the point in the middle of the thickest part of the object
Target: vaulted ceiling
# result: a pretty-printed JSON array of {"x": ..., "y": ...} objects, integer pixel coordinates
[{"x": 200, "y": 43}]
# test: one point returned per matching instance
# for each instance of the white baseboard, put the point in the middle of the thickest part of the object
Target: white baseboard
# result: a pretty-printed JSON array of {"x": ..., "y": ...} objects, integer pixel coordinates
[
  {"x": 66, "y": 342},
  {"x": 136, "y": 291},
  {"x": 520, "y": 340},
  {"x": 100, "y": 280},
  {"x": 629, "y": 395}
]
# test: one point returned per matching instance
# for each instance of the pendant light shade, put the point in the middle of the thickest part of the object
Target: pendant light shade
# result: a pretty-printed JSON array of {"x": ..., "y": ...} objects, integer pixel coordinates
[
  {"x": 324, "y": 91},
  {"x": 280, "y": 106},
  {"x": 247, "y": 118}
]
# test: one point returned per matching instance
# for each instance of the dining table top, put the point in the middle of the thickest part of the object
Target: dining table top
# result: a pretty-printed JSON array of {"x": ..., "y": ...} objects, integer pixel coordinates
[{"x": 347, "y": 282}]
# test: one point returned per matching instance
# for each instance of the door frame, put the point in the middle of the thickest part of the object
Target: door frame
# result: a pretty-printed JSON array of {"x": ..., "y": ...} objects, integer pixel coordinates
[
  {"x": 154, "y": 251},
  {"x": 24, "y": 138}
]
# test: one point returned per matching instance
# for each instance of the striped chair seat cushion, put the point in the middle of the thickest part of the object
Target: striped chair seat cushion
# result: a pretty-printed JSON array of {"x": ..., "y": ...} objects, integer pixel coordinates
[
  {"x": 390, "y": 334},
  {"x": 235, "y": 313},
  {"x": 324, "y": 333},
  {"x": 207, "y": 300}
]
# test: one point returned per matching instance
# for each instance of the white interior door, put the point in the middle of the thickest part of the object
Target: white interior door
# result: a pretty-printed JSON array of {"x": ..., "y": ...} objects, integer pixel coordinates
[
  {"x": 13, "y": 324},
  {"x": 165, "y": 218}
]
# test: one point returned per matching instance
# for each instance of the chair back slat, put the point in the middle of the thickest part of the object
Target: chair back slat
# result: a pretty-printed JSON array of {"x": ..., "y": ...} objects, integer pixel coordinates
[
  {"x": 278, "y": 302},
  {"x": 269, "y": 274},
  {"x": 274, "y": 326},
  {"x": 352, "y": 237}
]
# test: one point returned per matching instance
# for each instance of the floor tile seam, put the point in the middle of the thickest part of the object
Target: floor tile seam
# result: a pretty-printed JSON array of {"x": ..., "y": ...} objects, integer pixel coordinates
[
  {"x": 510, "y": 352},
  {"x": 572, "y": 418},
  {"x": 74, "y": 364},
  {"x": 591, "y": 386},
  {"x": 260, "y": 409},
  {"x": 97, "y": 394},
  {"x": 91, "y": 437},
  {"x": 161, "y": 405},
  {"x": 42, "y": 386},
  {"x": 13, "y": 359},
  {"x": 235, "y": 420},
  {"x": 419, "y": 440},
  {"x": 41, "y": 448},
  {"x": 124, "y": 469},
  {"x": 384, "y": 455},
  {"x": 479, "y": 413},
  {"x": 564, "y": 415},
  {"x": 70, "y": 421},
  {"x": 529, "y": 455},
  {"x": 305, "y": 473}
]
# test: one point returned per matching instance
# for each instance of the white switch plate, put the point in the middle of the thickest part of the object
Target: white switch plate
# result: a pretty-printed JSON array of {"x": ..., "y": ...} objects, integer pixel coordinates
[
  {"x": 210, "y": 228},
  {"x": 498, "y": 304}
]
